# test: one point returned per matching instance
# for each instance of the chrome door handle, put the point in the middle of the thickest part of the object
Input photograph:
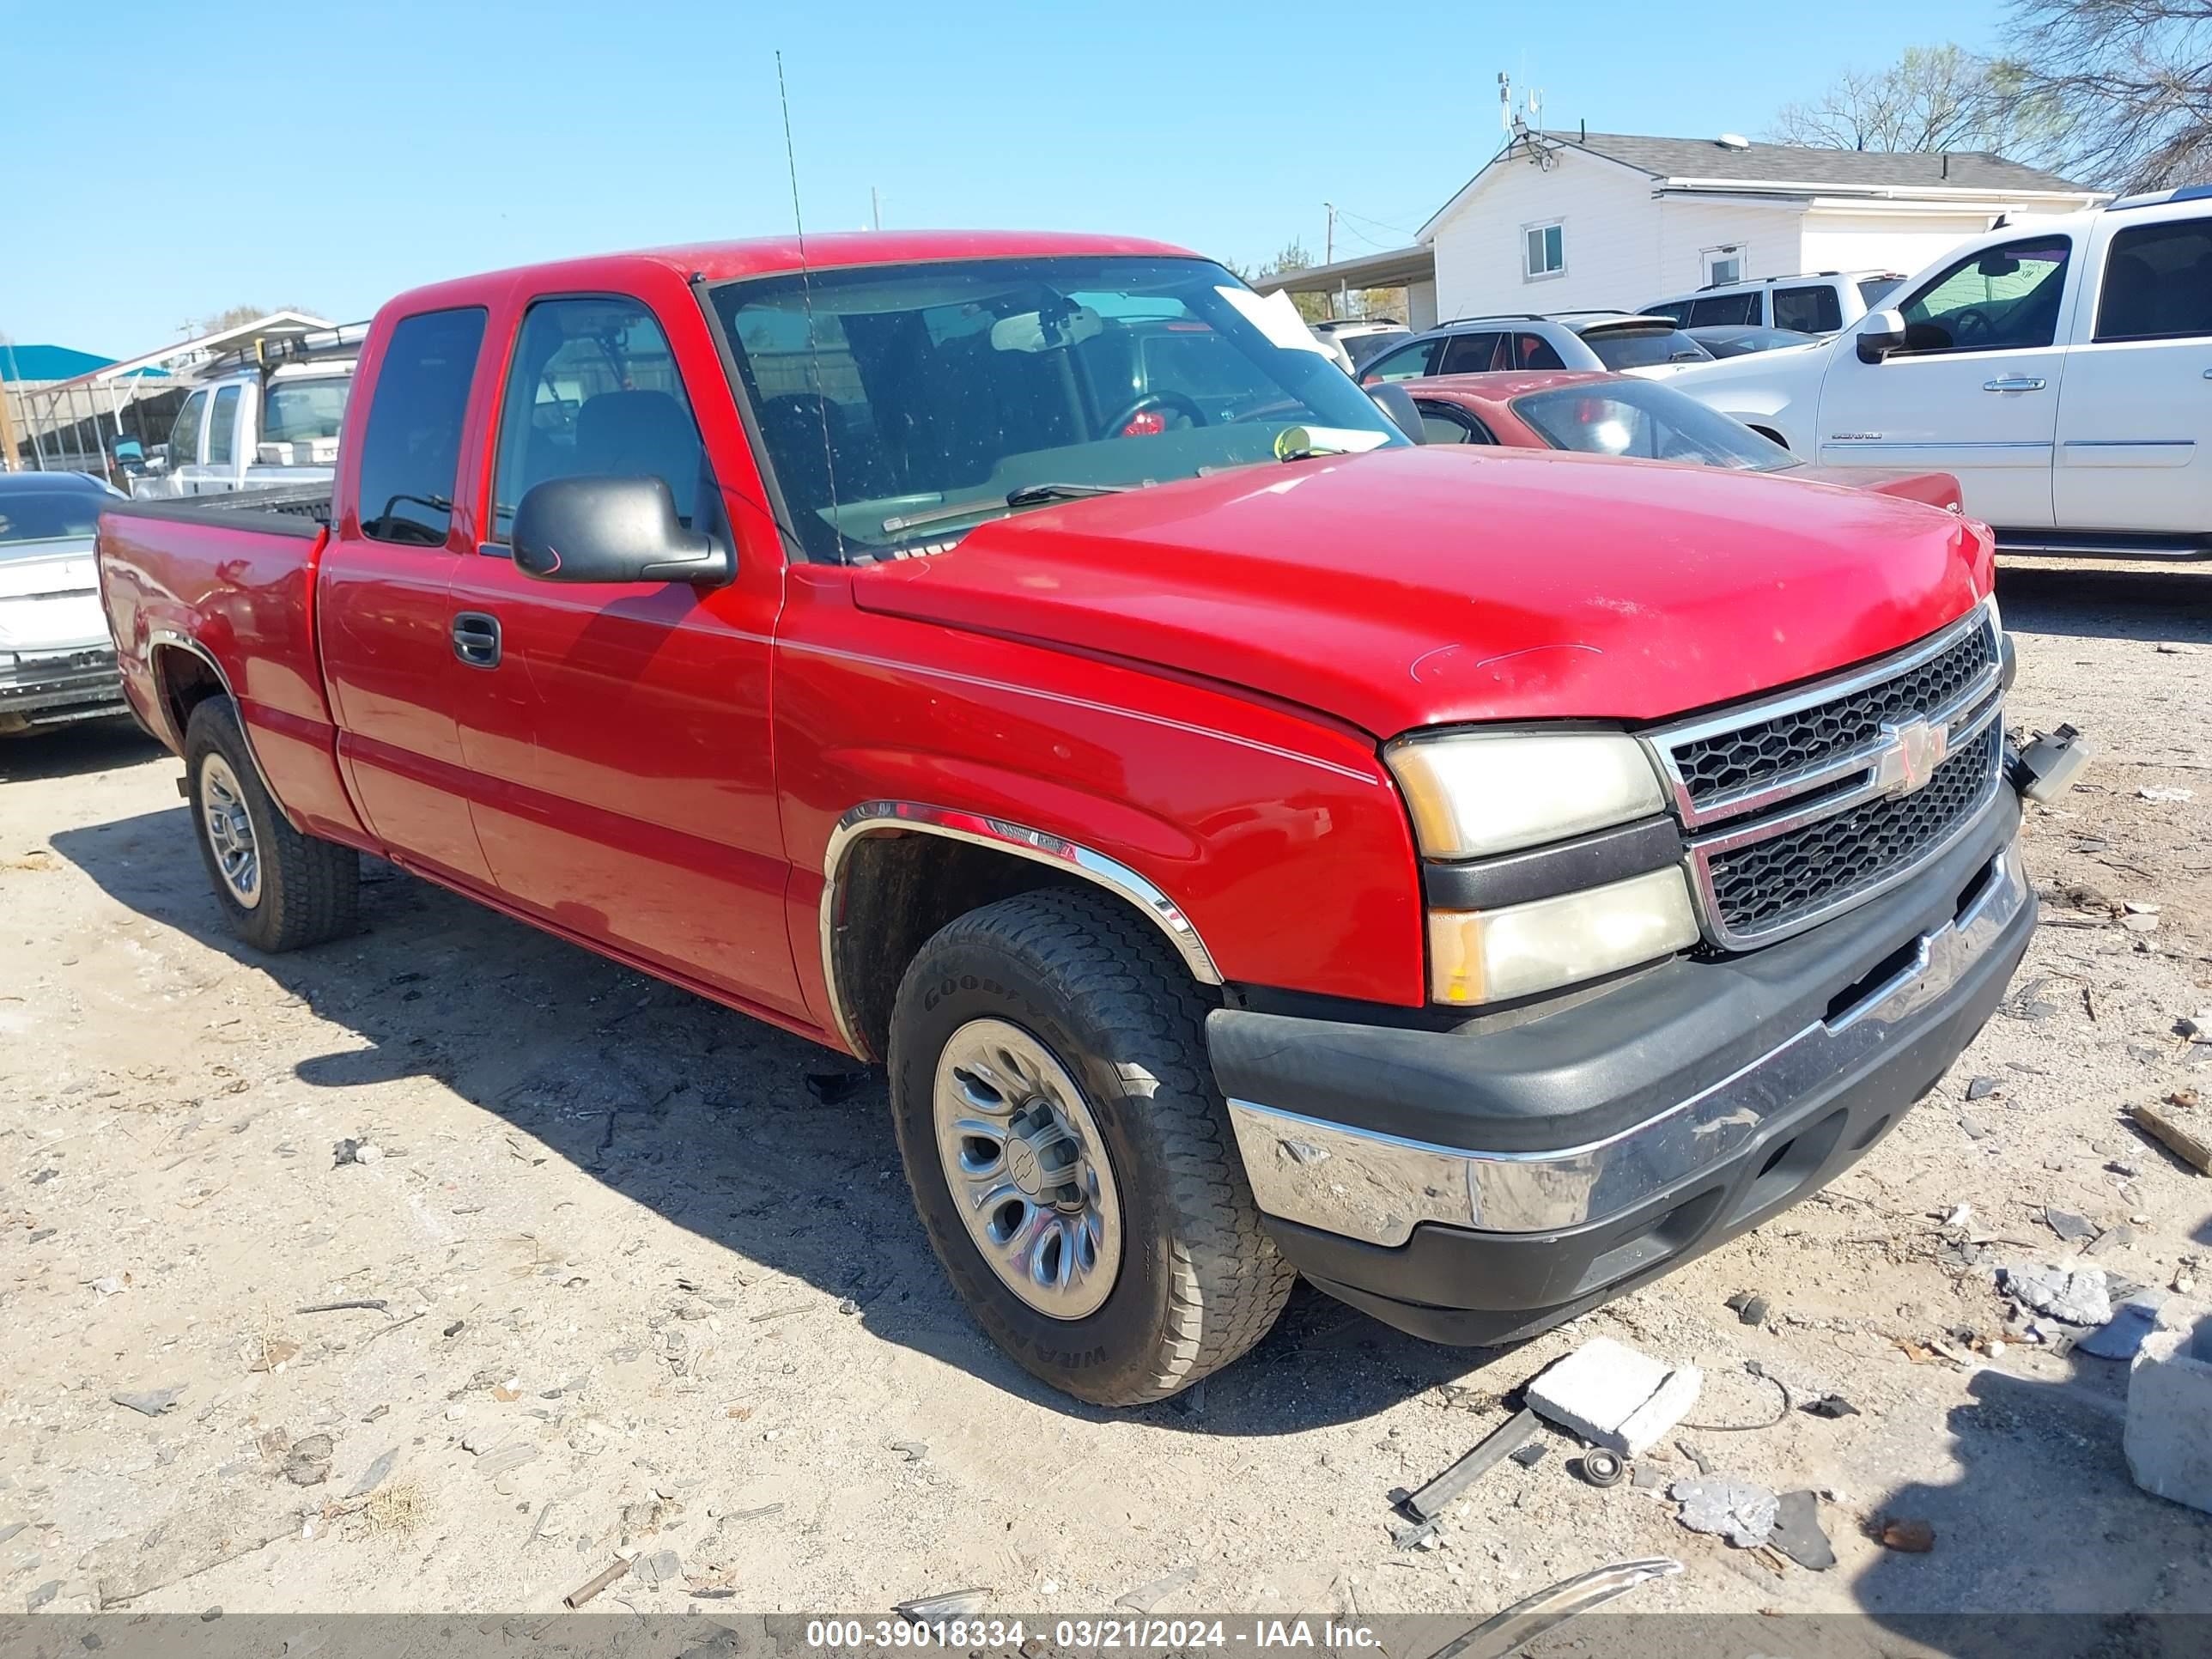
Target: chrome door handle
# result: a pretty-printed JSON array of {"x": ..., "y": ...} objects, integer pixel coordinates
[{"x": 2012, "y": 383}]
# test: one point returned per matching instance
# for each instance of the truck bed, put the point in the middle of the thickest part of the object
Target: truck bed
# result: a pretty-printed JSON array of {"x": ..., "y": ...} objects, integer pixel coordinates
[{"x": 288, "y": 510}]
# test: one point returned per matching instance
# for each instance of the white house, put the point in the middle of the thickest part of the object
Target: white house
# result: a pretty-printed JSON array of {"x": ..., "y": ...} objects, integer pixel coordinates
[{"x": 1576, "y": 220}]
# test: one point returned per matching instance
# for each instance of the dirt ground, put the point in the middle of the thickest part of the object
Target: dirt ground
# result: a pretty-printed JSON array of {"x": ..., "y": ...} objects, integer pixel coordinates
[{"x": 641, "y": 1290}]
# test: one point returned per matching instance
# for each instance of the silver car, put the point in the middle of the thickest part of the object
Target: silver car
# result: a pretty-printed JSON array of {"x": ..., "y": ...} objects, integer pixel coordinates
[{"x": 57, "y": 663}]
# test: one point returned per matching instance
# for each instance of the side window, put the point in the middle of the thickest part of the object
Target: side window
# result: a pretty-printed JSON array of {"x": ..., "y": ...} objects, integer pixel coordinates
[
  {"x": 2001, "y": 299},
  {"x": 1405, "y": 363},
  {"x": 593, "y": 391},
  {"x": 1469, "y": 353},
  {"x": 1807, "y": 310},
  {"x": 1732, "y": 308},
  {"x": 1444, "y": 423},
  {"x": 222, "y": 424},
  {"x": 184, "y": 435},
  {"x": 1534, "y": 351},
  {"x": 1677, "y": 310},
  {"x": 2157, "y": 282},
  {"x": 410, "y": 450}
]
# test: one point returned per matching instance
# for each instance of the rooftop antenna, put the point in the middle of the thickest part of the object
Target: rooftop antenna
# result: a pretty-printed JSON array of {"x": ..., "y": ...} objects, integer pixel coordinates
[
  {"x": 1505, "y": 101},
  {"x": 806, "y": 295}
]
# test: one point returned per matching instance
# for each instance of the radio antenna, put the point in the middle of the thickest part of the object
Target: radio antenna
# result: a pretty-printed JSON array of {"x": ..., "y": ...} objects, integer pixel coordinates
[{"x": 806, "y": 296}]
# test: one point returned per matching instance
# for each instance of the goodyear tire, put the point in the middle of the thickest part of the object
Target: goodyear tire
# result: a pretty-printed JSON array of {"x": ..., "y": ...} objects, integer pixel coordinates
[
  {"x": 278, "y": 889},
  {"x": 1071, "y": 1158}
]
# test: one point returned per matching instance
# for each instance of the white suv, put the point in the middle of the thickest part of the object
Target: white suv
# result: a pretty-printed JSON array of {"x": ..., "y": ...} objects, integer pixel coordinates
[
  {"x": 2061, "y": 368},
  {"x": 1815, "y": 302}
]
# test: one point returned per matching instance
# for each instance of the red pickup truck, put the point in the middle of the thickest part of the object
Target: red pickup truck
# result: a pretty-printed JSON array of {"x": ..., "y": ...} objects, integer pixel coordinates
[{"x": 1254, "y": 844}]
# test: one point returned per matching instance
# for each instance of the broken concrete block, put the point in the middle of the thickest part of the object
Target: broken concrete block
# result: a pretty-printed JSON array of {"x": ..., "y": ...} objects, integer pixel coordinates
[
  {"x": 2169, "y": 1429},
  {"x": 2078, "y": 1294},
  {"x": 1612, "y": 1397}
]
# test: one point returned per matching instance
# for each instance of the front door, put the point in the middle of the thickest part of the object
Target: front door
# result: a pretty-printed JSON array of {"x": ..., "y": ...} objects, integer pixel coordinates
[
  {"x": 2134, "y": 425},
  {"x": 385, "y": 621},
  {"x": 618, "y": 744},
  {"x": 1976, "y": 391}
]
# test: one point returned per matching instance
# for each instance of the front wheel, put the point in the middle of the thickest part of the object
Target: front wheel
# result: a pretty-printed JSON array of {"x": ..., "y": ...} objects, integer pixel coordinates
[
  {"x": 1071, "y": 1158},
  {"x": 279, "y": 889}
]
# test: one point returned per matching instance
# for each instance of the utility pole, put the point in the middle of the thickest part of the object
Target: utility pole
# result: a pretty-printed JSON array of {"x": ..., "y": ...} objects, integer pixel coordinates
[
  {"x": 11, "y": 461},
  {"x": 1329, "y": 236},
  {"x": 875, "y": 207}
]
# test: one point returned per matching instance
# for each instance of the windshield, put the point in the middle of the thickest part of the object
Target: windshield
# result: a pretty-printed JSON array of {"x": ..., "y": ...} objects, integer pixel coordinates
[
  {"x": 915, "y": 389},
  {"x": 1649, "y": 420},
  {"x": 1644, "y": 347},
  {"x": 296, "y": 411},
  {"x": 46, "y": 515}
]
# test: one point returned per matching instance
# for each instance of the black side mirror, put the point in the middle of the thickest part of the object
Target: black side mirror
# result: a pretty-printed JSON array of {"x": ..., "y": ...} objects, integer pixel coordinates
[
  {"x": 1397, "y": 402},
  {"x": 611, "y": 530},
  {"x": 1880, "y": 333}
]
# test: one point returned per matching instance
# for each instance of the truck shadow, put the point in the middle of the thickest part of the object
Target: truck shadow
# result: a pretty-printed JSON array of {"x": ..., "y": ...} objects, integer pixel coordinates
[
  {"x": 2108, "y": 602},
  {"x": 712, "y": 1120},
  {"x": 73, "y": 751},
  {"x": 2046, "y": 1534}
]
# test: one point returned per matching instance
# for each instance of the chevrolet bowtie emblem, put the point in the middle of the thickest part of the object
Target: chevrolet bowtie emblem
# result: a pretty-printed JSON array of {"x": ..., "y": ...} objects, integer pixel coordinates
[{"x": 1915, "y": 749}]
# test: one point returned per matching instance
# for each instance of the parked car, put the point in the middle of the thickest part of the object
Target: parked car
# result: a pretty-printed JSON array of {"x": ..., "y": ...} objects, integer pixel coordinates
[
  {"x": 1616, "y": 340},
  {"x": 260, "y": 422},
  {"x": 1624, "y": 415},
  {"x": 1741, "y": 339},
  {"x": 1810, "y": 302},
  {"x": 1364, "y": 339},
  {"x": 1254, "y": 845},
  {"x": 2057, "y": 367},
  {"x": 56, "y": 663}
]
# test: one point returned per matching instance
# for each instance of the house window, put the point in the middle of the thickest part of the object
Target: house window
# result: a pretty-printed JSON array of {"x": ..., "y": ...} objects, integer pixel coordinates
[
  {"x": 1724, "y": 264},
  {"x": 1543, "y": 251}
]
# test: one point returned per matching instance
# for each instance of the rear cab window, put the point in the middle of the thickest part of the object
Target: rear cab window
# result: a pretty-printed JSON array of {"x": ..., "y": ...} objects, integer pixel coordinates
[
  {"x": 593, "y": 391},
  {"x": 410, "y": 448},
  {"x": 2158, "y": 283}
]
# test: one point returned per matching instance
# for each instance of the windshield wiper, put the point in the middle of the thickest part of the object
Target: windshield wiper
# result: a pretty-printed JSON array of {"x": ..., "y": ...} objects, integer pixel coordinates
[{"x": 1035, "y": 495}]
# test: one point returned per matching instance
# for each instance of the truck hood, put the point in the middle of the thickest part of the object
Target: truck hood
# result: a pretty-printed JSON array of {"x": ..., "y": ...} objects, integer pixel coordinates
[
  {"x": 1414, "y": 587},
  {"x": 50, "y": 596}
]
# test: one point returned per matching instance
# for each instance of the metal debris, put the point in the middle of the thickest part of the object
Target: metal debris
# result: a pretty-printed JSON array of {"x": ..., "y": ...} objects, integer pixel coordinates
[
  {"x": 1531, "y": 1454},
  {"x": 1513, "y": 1628},
  {"x": 591, "y": 1586},
  {"x": 1912, "y": 1537},
  {"x": 1500, "y": 1443},
  {"x": 1798, "y": 1532},
  {"x": 1981, "y": 1088},
  {"x": 1750, "y": 1307},
  {"x": 2131, "y": 1321},
  {"x": 1829, "y": 1405},
  {"x": 152, "y": 1402},
  {"x": 375, "y": 1475},
  {"x": 952, "y": 1604},
  {"x": 2067, "y": 1224}
]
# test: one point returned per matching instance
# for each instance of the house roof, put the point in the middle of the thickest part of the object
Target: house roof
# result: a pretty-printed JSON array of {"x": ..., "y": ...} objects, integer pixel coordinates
[
  {"x": 47, "y": 363},
  {"x": 1771, "y": 170},
  {"x": 1704, "y": 158}
]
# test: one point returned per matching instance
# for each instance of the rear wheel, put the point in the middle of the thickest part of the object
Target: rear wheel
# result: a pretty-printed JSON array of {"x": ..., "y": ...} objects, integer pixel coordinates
[
  {"x": 1069, "y": 1155},
  {"x": 279, "y": 889}
]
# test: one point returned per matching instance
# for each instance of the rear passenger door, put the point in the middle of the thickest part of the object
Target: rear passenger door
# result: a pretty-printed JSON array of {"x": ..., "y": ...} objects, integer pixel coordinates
[
  {"x": 2134, "y": 420},
  {"x": 617, "y": 733},
  {"x": 385, "y": 619}
]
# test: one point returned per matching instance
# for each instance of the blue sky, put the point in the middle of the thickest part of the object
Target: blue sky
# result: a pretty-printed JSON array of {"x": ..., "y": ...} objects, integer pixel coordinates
[{"x": 329, "y": 155}]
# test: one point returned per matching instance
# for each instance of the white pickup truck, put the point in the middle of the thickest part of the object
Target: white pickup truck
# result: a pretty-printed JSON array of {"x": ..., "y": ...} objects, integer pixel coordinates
[
  {"x": 261, "y": 423},
  {"x": 2061, "y": 368}
]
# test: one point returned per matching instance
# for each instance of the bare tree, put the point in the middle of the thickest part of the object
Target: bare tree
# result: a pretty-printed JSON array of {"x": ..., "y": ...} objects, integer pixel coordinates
[
  {"x": 2129, "y": 83},
  {"x": 1933, "y": 98}
]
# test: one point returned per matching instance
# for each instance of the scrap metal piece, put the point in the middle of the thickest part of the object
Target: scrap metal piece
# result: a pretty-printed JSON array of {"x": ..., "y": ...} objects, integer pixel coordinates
[
  {"x": 949, "y": 1604},
  {"x": 1499, "y": 1444},
  {"x": 591, "y": 1586},
  {"x": 1529, "y": 1617}
]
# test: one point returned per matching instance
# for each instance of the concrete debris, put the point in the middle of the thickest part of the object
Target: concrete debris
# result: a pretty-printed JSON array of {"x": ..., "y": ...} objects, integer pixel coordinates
[
  {"x": 1612, "y": 1397},
  {"x": 44, "y": 1593},
  {"x": 1798, "y": 1534},
  {"x": 2132, "y": 1320},
  {"x": 661, "y": 1567},
  {"x": 512, "y": 1455},
  {"x": 352, "y": 1151},
  {"x": 1751, "y": 1307},
  {"x": 1912, "y": 1537},
  {"x": 2112, "y": 1238},
  {"x": 2168, "y": 1438},
  {"x": 1974, "y": 1127},
  {"x": 1981, "y": 1088},
  {"x": 2138, "y": 921},
  {"x": 2076, "y": 1295},
  {"x": 913, "y": 1450},
  {"x": 1735, "y": 1509},
  {"x": 152, "y": 1402},
  {"x": 2170, "y": 797},
  {"x": 951, "y": 1604},
  {"x": 2180, "y": 1124},
  {"x": 1645, "y": 1477},
  {"x": 375, "y": 1475}
]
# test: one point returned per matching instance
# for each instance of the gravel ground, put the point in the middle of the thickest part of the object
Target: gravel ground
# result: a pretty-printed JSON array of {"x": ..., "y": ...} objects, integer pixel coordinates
[{"x": 641, "y": 1291}]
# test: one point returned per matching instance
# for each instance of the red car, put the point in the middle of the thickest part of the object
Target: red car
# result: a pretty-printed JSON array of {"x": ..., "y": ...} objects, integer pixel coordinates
[
  {"x": 1254, "y": 844},
  {"x": 1602, "y": 414}
]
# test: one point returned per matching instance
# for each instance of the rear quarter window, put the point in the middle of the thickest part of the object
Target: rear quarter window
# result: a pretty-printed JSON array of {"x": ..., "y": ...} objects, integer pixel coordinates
[
  {"x": 411, "y": 449},
  {"x": 1812, "y": 310},
  {"x": 2157, "y": 282},
  {"x": 1724, "y": 309}
]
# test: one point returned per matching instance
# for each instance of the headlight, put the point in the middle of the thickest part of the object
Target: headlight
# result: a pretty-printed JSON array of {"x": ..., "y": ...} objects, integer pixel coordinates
[
  {"x": 1476, "y": 794},
  {"x": 1488, "y": 956}
]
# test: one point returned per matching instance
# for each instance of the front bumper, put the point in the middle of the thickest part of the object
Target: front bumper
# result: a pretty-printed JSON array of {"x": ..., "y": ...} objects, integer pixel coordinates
[
  {"x": 56, "y": 686},
  {"x": 1479, "y": 1184}
]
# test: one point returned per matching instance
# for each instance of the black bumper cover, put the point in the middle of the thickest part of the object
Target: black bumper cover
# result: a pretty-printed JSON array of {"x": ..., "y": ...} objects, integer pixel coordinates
[{"x": 1605, "y": 1065}]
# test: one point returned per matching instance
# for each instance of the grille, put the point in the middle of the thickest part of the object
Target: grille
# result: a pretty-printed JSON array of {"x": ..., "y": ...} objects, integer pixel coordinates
[
  {"x": 1774, "y": 748},
  {"x": 1772, "y": 883}
]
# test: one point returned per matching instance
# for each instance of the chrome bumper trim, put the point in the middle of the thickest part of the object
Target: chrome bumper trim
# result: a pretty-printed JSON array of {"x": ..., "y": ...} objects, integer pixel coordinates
[{"x": 1378, "y": 1187}]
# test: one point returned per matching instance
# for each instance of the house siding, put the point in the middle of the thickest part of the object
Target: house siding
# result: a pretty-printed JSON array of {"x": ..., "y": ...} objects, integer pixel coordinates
[
  {"x": 1611, "y": 225},
  {"x": 1769, "y": 236},
  {"x": 1873, "y": 241}
]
